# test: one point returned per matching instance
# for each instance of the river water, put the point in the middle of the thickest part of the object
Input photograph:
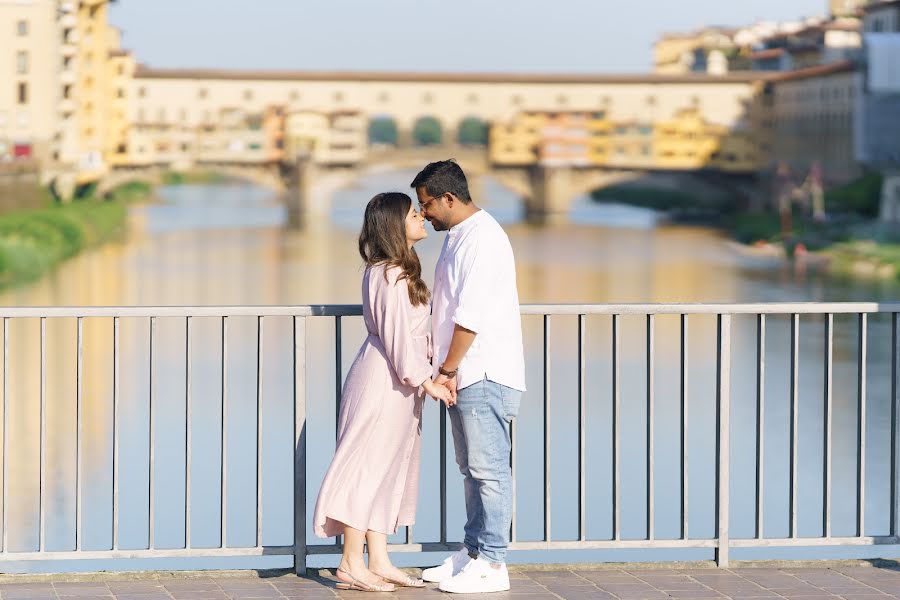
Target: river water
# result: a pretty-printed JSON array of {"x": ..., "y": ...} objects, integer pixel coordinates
[{"x": 226, "y": 244}]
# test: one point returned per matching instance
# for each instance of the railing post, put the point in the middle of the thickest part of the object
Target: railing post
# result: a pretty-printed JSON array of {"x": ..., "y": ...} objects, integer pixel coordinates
[
  {"x": 723, "y": 400},
  {"x": 300, "y": 446}
]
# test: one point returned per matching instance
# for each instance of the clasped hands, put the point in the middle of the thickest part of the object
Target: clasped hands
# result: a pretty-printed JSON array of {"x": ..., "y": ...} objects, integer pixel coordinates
[{"x": 442, "y": 388}]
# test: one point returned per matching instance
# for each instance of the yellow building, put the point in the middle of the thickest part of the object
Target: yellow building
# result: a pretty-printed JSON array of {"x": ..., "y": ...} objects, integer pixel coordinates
[
  {"x": 516, "y": 142},
  {"x": 121, "y": 67},
  {"x": 690, "y": 142},
  {"x": 551, "y": 138},
  {"x": 94, "y": 87},
  {"x": 685, "y": 141}
]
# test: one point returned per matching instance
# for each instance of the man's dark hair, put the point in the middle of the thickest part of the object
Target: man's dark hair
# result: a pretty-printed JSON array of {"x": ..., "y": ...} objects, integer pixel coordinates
[{"x": 441, "y": 177}]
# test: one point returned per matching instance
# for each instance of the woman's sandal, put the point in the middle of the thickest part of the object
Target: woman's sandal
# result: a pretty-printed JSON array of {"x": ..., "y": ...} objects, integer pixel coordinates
[
  {"x": 356, "y": 584},
  {"x": 410, "y": 581}
]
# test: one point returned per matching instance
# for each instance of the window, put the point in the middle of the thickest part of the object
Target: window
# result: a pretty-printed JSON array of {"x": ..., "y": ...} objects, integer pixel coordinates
[
  {"x": 562, "y": 99},
  {"x": 142, "y": 92},
  {"x": 516, "y": 100},
  {"x": 384, "y": 97},
  {"x": 338, "y": 96},
  {"x": 651, "y": 100},
  {"x": 202, "y": 93},
  {"x": 22, "y": 92},
  {"x": 22, "y": 119},
  {"x": 141, "y": 116},
  {"x": 427, "y": 98},
  {"x": 295, "y": 95},
  {"x": 22, "y": 28},
  {"x": 473, "y": 98},
  {"x": 22, "y": 63},
  {"x": 161, "y": 115},
  {"x": 67, "y": 91},
  {"x": 120, "y": 92},
  {"x": 248, "y": 95},
  {"x": 182, "y": 115}
]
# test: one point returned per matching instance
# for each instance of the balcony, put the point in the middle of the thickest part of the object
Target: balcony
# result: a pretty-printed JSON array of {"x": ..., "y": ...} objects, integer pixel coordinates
[
  {"x": 68, "y": 50},
  {"x": 69, "y": 20},
  {"x": 68, "y": 77}
]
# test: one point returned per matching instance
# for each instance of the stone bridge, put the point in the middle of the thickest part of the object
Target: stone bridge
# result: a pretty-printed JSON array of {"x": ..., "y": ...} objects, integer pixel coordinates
[
  {"x": 269, "y": 176},
  {"x": 547, "y": 191}
]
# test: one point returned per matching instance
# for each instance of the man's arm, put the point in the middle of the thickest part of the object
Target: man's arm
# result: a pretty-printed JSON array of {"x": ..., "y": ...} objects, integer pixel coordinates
[{"x": 459, "y": 345}]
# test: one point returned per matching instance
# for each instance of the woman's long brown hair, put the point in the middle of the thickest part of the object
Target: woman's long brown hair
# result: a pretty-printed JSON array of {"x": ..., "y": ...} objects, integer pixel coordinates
[{"x": 383, "y": 241}]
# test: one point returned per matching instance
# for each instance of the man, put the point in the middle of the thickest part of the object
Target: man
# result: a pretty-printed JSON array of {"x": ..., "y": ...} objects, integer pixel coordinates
[{"x": 478, "y": 354}]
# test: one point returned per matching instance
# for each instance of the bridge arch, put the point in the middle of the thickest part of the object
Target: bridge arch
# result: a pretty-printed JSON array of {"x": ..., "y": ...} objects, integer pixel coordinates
[
  {"x": 427, "y": 131},
  {"x": 383, "y": 130},
  {"x": 472, "y": 131}
]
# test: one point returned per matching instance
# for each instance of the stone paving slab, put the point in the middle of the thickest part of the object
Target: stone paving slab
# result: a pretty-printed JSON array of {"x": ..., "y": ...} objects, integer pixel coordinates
[{"x": 575, "y": 582}]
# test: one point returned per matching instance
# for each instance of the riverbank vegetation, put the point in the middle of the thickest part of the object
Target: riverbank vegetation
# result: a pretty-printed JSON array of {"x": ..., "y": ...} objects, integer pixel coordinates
[
  {"x": 850, "y": 237},
  {"x": 33, "y": 242}
]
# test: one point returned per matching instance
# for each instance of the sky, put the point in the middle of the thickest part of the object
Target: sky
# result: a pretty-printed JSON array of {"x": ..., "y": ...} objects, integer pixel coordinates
[{"x": 584, "y": 36}]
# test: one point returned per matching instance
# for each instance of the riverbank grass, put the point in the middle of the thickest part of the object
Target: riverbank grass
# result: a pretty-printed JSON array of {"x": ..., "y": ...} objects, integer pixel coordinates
[{"x": 33, "y": 242}]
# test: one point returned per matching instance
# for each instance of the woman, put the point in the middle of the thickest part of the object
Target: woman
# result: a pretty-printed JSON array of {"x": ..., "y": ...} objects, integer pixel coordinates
[{"x": 371, "y": 486}]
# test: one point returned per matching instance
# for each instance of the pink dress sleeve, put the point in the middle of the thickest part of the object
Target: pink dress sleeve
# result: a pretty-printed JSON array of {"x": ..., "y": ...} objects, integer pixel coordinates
[{"x": 392, "y": 311}]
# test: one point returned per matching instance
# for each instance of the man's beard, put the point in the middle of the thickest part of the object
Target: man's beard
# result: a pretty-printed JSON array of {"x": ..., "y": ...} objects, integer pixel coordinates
[{"x": 438, "y": 225}]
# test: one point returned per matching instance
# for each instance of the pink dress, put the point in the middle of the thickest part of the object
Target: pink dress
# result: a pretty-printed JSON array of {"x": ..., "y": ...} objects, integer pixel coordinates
[{"x": 372, "y": 482}]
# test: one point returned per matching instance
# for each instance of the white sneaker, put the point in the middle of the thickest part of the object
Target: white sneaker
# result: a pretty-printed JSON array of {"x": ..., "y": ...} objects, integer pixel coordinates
[
  {"x": 477, "y": 577},
  {"x": 452, "y": 565}
]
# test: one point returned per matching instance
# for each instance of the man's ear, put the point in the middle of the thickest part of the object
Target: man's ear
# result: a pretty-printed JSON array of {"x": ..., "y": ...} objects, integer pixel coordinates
[{"x": 451, "y": 197}]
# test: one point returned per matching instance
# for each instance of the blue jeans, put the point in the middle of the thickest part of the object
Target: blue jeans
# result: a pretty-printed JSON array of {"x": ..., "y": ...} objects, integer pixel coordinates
[{"x": 481, "y": 423}]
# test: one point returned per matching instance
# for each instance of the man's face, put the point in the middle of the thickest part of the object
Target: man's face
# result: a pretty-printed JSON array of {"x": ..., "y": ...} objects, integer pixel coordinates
[{"x": 434, "y": 208}]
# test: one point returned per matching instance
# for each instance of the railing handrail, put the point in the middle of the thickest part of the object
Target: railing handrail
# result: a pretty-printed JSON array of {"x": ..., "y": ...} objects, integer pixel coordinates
[{"x": 348, "y": 310}]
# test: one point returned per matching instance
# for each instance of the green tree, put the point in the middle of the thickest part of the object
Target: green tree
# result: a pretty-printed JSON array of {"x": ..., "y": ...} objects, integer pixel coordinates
[
  {"x": 427, "y": 131},
  {"x": 383, "y": 130},
  {"x": 473, "y": 132}
]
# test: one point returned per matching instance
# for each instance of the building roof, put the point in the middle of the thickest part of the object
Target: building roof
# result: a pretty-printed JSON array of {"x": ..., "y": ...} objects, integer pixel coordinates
[
  {"x": 845, "y": 66},
  {"x": 144, "y": 72}
]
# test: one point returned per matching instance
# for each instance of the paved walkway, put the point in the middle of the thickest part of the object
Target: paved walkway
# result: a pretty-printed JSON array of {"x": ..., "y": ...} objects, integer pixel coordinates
[{"x": 576, "y": 583}]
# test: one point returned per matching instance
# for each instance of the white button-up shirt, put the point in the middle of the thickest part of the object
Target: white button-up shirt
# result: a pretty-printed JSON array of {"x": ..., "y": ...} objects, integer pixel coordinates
[{"x": 475, "y": 288}]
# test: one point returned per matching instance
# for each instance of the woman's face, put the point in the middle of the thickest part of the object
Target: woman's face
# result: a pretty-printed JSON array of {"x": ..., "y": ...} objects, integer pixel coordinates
[{"x": 415, "y": 226}]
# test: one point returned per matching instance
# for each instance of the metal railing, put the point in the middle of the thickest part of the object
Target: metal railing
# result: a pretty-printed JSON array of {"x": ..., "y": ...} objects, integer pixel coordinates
[{"x": 721, "y": 542}]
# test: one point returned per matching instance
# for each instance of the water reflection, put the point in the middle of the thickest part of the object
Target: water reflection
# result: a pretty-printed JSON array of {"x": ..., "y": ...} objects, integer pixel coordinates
[{"x": 225, "y": 244}]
